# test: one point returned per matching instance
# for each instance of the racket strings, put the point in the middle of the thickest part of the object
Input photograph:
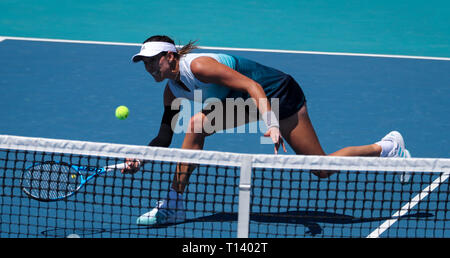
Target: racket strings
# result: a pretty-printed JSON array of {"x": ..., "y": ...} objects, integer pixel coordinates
[{"x": 50, "y": 181}]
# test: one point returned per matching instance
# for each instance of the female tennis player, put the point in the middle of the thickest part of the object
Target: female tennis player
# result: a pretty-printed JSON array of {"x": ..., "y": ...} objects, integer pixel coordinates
[{"x": 226, "y": 76}]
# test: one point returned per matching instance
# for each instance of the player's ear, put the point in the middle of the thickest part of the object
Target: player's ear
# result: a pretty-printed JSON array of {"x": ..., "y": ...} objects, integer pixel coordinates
[{"x": 170, "y": 56}]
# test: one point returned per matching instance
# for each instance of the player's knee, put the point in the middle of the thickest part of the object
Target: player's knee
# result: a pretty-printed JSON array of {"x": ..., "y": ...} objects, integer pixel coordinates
[
  {"x": 196, "y": 125},
  {"x": 323, "y": 173}
]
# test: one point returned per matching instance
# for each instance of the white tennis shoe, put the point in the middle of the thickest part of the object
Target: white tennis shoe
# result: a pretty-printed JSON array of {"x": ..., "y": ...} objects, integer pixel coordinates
[
  {"x": 166, "y": 212},
  {"x": 398, "y": 151},
  {"x": 399, "y": 144}
]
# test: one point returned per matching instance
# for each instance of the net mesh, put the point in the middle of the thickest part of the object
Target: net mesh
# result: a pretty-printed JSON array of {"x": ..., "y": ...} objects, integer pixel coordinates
[
  {"x": 365, "y": 198},
  {"x": 292, "y": 203}
]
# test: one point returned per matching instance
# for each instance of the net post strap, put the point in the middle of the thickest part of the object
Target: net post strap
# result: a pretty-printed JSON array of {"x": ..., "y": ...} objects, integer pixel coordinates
[{"x": 244, "y": 197}]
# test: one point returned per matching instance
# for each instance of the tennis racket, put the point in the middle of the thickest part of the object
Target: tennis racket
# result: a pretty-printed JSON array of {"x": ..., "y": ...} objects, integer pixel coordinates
[{"x": 53, "y": 181}]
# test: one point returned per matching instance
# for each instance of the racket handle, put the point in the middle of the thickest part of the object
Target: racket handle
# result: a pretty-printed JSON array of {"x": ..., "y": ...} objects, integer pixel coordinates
[{"x": 116, "y": 166}]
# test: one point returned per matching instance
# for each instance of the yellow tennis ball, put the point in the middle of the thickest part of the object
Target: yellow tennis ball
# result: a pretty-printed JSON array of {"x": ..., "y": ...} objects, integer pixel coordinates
[
  {"x": 73, "y": 176},
  {"x": 122, "y": 112}
]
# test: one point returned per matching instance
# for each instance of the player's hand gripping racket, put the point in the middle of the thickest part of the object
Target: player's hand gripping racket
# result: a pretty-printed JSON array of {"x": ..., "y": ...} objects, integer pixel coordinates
[{"x": 53, "y": 181}]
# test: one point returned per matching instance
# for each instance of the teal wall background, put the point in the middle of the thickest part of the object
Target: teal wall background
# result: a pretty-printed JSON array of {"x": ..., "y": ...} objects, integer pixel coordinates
[{"x": 419, "y": 28}]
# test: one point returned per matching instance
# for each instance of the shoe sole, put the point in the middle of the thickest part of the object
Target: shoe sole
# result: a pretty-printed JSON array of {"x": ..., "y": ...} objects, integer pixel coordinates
[
  {"x": 159, "y": 219},
  {"x": 146, "y": 221}
]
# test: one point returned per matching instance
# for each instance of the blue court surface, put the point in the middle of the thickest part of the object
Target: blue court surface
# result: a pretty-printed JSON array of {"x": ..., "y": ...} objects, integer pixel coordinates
[{"x": 70, "y": 91}]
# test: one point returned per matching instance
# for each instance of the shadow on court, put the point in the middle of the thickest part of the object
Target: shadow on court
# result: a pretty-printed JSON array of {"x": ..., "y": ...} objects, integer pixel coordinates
[{"x": 309, "y": 219}]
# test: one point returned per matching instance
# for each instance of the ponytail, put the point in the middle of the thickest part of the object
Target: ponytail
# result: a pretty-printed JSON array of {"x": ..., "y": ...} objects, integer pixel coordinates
[{"x": 188, "y": 48}]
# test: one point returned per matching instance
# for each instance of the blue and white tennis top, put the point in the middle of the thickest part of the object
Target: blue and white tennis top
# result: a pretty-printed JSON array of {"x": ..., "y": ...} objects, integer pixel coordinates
[
  {"x": 276, "y": 84},
  {"x": 269, "y": 78}
]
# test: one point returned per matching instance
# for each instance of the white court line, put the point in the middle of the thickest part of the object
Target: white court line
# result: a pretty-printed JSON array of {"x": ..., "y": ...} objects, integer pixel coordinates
[
  {"x": 409, "y": 206},
  {"x": 234, "y": 49},
  {"x": 1, "y": 39},
  {"x": 71, "y": 41},
  {"x": 327, "y": 53}
]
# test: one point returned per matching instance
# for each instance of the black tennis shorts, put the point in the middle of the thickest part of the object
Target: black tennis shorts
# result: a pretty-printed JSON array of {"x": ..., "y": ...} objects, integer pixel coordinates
[
  {"x": 290, "y": 96},
  {"x": 288, "y": 93}
]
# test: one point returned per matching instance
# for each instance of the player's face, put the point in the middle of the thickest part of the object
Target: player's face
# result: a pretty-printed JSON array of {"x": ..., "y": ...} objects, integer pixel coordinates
[
  {"x": 159, "y": 67},
  {"x": 152, "y": 67}
]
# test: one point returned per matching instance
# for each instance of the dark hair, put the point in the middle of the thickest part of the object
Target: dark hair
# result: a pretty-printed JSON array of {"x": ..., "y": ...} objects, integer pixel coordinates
[{"x": 186, "y": 49}]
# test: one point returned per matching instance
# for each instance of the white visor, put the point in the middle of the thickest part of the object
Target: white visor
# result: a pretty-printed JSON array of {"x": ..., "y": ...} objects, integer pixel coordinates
[{"x": 153, "y": 48}]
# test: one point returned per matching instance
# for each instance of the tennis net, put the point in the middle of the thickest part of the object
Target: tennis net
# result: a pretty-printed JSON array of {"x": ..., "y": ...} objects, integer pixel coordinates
[{"x": 229, "y": 194}]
